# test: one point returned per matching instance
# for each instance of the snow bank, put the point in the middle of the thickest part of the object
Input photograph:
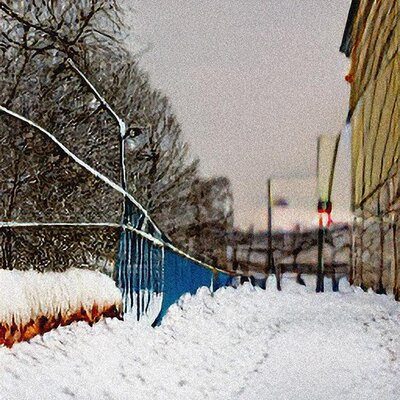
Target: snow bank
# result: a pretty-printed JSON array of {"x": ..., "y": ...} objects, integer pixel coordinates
[
  {"x": 33, "y": 302},
  {"x": 243, "y": 343}
]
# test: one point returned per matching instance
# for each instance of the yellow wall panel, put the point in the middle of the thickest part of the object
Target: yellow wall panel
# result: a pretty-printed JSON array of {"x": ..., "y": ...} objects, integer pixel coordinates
[{"x": 374, "y": 95}]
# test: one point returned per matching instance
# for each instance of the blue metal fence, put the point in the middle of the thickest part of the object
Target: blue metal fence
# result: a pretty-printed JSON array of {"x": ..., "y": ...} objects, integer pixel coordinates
[{"x": 152, "y": 275}]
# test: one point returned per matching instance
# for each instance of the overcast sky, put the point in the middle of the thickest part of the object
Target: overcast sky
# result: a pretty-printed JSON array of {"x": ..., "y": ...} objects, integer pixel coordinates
[{"x": 253, "y": 84}]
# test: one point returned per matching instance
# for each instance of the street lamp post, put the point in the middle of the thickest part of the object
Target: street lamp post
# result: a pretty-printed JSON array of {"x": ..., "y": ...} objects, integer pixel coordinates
[{"x": 327, "y": 147}]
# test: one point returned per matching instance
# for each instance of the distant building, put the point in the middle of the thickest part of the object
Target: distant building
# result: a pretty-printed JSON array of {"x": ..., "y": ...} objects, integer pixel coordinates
[{"x": 372, "y": 40}]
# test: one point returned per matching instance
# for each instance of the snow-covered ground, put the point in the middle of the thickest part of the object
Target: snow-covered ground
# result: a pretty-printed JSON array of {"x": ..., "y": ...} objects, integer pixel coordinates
[{"x": 241, "y": 343}]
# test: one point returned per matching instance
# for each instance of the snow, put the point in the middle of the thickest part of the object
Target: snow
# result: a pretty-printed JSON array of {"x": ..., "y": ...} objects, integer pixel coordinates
[{"x": 243, "y": 343}]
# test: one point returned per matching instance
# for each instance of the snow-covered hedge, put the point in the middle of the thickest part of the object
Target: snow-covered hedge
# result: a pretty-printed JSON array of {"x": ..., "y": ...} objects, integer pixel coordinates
[{"x": 32, "y": 303}]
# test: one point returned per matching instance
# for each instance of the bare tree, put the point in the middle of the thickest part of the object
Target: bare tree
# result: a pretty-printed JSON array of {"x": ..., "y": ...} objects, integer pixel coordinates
[
  {"x": 37, "y": 181},
  {"x": 212, "y": 208}
]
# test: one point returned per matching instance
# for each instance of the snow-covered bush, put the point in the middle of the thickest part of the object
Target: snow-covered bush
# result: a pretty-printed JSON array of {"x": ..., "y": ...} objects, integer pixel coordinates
[{"x": 32, "y": 303}]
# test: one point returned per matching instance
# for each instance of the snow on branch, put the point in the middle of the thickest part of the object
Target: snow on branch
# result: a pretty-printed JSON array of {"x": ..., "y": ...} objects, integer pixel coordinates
[
  {"x": 80, "y": 162},
  {"x": 122, "y": 132},
  {"x": 120, "y": 122},
  {"x": 100, "y": 98}
]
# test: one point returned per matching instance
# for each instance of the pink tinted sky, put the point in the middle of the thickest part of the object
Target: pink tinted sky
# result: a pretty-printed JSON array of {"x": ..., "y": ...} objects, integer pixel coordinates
[{"x": 253, "y": 83}]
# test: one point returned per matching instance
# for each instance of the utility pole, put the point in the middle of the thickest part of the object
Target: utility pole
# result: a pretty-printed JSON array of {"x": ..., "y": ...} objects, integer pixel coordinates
[
  {"x": 270, "y": 264},
  {"x": 327, "y": 148},
  {"x": 321, "y": 239}
]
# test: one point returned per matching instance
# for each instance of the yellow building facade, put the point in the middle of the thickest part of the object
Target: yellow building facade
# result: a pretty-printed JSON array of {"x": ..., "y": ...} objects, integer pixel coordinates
[{"x": 371, "y": 41}]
